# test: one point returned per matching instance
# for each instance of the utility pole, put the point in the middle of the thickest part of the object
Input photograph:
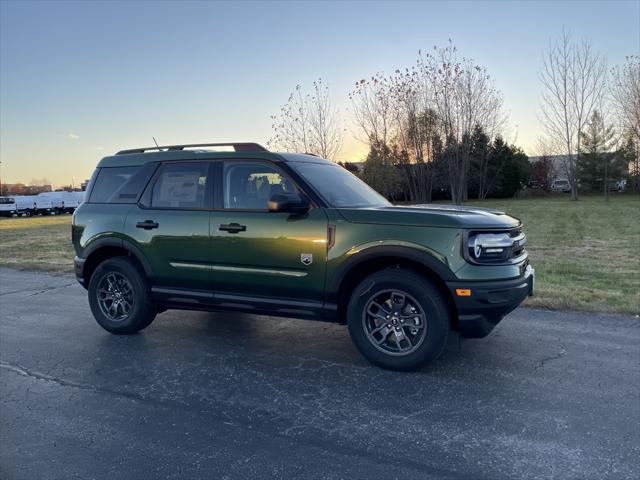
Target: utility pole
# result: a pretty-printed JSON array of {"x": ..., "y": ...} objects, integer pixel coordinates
[{"x": 0, "y": 178}]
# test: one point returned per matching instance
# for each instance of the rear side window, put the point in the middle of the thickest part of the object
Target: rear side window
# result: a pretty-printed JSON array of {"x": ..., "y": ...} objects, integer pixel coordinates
[
  {"x": 109, "y": 183},
  {"x": 181, "y": 185},
  {"x": 121, "y": 184}
]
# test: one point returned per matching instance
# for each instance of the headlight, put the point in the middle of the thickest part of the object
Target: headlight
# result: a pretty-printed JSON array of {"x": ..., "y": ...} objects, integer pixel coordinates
[{"x": 495, "y": 247}]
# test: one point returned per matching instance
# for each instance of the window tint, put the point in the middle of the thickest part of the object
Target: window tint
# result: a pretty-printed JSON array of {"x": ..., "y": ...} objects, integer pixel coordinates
[
  {"x": 110, "y": 182},
  {"x": 181, "y": 185},
  {"x": 131, "y": 191},
  {"x": 249, "y": 186}
]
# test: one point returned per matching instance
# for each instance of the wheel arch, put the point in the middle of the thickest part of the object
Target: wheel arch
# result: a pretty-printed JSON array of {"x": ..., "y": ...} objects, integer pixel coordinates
[
  {"x": 374, "y": 259},
  {"x": 105, "y": 248}
]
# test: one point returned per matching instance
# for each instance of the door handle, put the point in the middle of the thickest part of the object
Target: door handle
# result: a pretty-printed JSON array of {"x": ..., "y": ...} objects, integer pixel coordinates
[
  {"x": 232, "y": 227},
  {"x": 147, "y": 224}
]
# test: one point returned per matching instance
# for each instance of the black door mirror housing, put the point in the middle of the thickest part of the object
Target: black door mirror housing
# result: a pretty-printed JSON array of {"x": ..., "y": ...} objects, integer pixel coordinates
[{"x": 289, "y": 203}]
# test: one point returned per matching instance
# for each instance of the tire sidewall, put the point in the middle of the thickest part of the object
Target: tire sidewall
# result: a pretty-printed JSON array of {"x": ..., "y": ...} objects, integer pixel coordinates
[
  {"x": 142, "y": 313},
  {"x": 432, "y": 303}
]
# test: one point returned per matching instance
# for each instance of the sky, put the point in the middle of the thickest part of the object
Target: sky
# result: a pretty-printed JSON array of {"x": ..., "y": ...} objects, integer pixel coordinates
[{"x": 82, "y": 80}]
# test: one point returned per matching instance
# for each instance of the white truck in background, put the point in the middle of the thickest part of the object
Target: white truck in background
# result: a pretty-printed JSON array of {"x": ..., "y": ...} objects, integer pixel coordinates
[
  {"x": 63, "y": 202},
  {"x": 29, "y": 205},
  {"x": 8, "y": 207}
]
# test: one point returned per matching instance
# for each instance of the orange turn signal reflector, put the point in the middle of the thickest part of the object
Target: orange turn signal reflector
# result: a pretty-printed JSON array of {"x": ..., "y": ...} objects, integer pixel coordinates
[{"x": 463, "y": 292}]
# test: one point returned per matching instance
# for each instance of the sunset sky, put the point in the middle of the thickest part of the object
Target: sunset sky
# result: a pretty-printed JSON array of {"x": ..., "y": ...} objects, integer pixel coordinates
[{"x": 79, "y": 81}]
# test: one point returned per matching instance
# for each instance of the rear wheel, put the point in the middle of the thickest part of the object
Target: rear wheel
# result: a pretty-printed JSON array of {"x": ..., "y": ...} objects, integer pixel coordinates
[
  {"x": 119, "y": 296},
  {"x": 398, "y": 319}
]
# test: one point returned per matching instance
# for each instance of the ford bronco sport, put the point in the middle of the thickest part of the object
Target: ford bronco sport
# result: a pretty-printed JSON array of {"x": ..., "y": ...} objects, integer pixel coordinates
[{"x": 291, "y": 235}]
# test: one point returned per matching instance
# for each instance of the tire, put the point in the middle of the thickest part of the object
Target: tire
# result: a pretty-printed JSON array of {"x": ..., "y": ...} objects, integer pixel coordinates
[
  {"x": 403, "y": 346},
  {"x": 132, "y": 309}
]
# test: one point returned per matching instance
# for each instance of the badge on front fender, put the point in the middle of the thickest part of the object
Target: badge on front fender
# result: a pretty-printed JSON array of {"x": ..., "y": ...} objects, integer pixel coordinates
[{"x": 306, "y": 258}]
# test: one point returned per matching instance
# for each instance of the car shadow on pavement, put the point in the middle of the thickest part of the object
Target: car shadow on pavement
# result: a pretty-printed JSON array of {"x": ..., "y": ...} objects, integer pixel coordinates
[{"x": 267, "y": 340}]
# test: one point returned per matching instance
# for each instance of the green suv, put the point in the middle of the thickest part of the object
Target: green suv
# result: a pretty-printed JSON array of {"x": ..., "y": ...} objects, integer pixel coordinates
[{"x": 291, "y": 235}]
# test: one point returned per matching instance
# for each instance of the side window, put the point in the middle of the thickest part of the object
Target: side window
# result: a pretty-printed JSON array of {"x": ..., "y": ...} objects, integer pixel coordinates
[
  {"x": 181, "y": 185},
  {"x": 109, "y": 183},
  {"x": 250, "y": 185}
]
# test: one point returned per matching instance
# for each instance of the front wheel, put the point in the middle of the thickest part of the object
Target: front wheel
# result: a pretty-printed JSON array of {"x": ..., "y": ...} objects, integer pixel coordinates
[
  {"x": 119, "y": 296},
  {"x": 398, "y": 319}
]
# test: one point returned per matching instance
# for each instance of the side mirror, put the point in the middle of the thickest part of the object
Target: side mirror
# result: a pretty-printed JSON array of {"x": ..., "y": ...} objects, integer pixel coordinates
[{"x": 289, "y": 203}]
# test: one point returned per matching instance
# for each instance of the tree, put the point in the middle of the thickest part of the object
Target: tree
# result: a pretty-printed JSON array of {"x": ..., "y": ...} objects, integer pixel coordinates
[
  {"x": 371, "y": 107},
  {"x": 572, "y": 77},
  {"x": 308, "y": 123},
  {"x": 514, "y": 168},
  {"x": 630, "y": 158},
  {"x": 380, "y": 170},
  {"x": 429, "y": 112},
  {"x": 464, "y": 97},
  {"x": 422, "y": 142},
  {"x": 542, "y": 172},
  {"x": 598, "y": 141},
  {"x": 482, "y": 169},
  {"x": 350, "y": 166},
  {"x": 625, "y": 93}
]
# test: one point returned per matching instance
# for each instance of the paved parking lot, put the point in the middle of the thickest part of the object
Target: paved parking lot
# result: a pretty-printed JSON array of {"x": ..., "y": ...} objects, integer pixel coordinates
[{"x": 199, "y": 395}]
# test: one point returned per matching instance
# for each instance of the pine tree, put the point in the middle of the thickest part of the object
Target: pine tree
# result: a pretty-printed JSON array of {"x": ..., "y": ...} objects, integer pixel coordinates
[{"x": 596, "y": 157}]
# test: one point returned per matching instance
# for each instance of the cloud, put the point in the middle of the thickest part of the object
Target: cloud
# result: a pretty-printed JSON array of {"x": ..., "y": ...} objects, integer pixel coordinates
[{"x": 73, "y": 136}]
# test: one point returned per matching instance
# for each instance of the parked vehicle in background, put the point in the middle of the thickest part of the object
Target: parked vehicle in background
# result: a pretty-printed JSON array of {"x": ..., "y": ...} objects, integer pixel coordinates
[
  {"x": 63, "y": 202},
  {"x": 29, "y": 205},
  {"x": 562, "y": 186},
  {"x": 291, "y": 235},
  {"x": 7, "y": 206}
]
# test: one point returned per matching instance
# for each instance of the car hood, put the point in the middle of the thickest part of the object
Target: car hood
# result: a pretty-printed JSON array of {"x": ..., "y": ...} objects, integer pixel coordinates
[{"x": 454, "y": 216}]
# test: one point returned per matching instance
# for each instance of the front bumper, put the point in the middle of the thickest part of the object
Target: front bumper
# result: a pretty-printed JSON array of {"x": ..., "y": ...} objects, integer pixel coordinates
[{"x": 486, "y": 303}]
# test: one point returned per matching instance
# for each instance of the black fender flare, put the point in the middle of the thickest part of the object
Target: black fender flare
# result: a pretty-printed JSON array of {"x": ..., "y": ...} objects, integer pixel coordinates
[
  {"x": 406, "y": 253},
  {"x": 122, "y": 243}
]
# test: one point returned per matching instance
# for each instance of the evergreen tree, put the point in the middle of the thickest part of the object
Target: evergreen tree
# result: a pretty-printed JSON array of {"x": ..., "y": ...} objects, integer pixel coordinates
[
  {"x": 596, "y": 159},
  {"x": 380, "y": 170},
  {"x": 514, "y": 169}
]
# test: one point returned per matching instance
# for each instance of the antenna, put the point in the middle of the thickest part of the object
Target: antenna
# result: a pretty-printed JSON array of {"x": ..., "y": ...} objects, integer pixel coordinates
[{"x": 154, "y": 141}]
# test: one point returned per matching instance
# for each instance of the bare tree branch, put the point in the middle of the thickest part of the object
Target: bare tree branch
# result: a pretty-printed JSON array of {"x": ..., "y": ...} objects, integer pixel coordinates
[{"x": 308, "y": 123}]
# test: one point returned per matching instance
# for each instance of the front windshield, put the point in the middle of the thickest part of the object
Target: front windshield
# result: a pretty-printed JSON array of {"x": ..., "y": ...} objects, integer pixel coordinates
[{"x": 339, "y": 187}]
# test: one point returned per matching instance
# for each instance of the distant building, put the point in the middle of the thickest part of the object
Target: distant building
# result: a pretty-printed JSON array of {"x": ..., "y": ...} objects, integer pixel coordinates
[
  {"x": 22, "y": 189},
  {"x": 560, "y": 165}
]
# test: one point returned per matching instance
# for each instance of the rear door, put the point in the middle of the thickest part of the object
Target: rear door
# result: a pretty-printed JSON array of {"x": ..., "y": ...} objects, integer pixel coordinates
[
  {"x": 257, "y": 253},
  {"x": 170, "y": 224}
]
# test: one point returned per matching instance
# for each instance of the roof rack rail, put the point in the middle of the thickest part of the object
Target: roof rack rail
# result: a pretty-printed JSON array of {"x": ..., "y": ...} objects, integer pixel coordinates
[{"x": 238, "y": 147}]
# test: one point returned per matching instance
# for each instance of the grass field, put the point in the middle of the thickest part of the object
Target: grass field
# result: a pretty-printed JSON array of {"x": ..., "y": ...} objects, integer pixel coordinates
[
  {"x": 37, "y": 243},
  {"x": 586, "y": 253}
]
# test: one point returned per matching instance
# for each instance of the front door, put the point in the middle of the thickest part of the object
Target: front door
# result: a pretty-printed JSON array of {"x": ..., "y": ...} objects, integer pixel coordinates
[
  {"x": 171, "y": 224},
  {"x": 257, "y": 253}
]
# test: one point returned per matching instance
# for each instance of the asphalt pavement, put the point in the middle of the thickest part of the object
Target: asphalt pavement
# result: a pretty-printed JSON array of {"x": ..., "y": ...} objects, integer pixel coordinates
[{"x": 205, "y": 395}]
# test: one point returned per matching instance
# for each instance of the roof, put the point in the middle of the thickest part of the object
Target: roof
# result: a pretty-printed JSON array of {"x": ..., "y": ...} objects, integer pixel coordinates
[{"x": 141, "y": 156}]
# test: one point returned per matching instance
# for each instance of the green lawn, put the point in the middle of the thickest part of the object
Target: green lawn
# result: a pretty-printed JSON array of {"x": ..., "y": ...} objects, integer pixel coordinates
[
  {"x": 37, "y": 243},
  {"x": 586, "y": 253}
]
